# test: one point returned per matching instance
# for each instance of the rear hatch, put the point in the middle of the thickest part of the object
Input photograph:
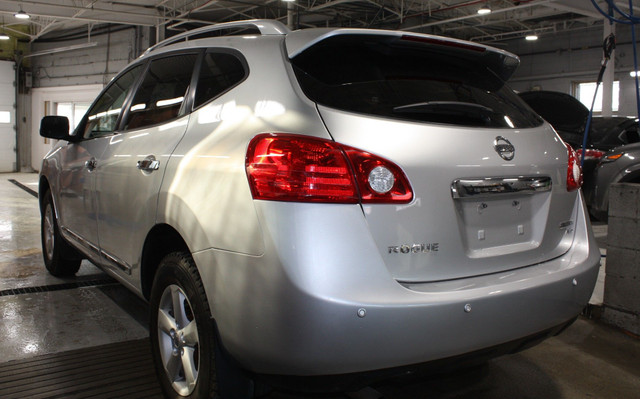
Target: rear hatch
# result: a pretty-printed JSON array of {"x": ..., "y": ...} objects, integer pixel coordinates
[{"x": 488, "y": 175}]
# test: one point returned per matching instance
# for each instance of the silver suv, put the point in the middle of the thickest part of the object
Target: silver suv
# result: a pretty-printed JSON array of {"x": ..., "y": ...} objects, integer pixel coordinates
[{"x": 320, "y": 202}]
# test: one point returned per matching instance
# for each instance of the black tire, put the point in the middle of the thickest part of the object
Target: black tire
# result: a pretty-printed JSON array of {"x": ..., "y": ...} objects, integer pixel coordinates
[
  {"x": 59, "y": 257},
  {"x": 183, "y": 341}
]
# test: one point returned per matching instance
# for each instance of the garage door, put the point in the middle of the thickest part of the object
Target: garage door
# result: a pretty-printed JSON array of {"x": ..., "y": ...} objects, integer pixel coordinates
[{"x": 7, "y": 117}]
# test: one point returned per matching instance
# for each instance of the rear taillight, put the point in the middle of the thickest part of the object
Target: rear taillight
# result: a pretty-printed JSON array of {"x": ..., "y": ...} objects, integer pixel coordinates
[
  {"x": 590, "y": 153},
  {"x": 574, "y": 171},
  {"x": 286, "y": 167}
]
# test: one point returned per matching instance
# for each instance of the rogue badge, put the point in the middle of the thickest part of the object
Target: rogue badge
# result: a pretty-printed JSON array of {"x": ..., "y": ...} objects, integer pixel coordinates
[{"x": 414, "y": 248}]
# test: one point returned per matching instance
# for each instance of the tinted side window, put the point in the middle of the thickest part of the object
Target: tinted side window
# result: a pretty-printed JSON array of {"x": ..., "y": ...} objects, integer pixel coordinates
[
  {"x": 220, "y": 72},
  {"x": 162, "y": 93},
  {"x": 102, "y": 118}
]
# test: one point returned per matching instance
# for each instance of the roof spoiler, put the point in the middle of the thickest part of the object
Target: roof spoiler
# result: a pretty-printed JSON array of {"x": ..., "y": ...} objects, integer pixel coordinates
[{"x": 501, "y": 62}]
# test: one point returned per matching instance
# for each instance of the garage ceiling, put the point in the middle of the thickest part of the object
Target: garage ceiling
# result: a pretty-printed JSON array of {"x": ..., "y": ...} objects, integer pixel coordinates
[{"x": 509, "y": 19}]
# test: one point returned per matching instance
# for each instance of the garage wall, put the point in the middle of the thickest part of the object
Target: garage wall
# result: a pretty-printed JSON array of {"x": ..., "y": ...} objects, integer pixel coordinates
[
  {"x": 73, "y": 75},
  {"x": 556, "y": 62},
  {"x": 115, "y": 49}
]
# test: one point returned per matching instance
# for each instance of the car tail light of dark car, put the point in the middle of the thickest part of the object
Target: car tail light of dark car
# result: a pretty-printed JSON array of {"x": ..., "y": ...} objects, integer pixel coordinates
[
  {"x": 574, "y": 170},
  {"x": 287, "y": 167},
  {"x": 591, "y": 153}
]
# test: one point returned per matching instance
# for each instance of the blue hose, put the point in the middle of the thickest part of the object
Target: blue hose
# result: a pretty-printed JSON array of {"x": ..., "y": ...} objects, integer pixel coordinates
[
  {"x": 608, "y": 46},
  {"x": 628, "y": 19}
]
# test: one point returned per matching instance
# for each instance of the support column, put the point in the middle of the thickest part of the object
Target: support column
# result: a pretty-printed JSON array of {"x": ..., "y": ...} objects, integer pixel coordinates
[
  {"x": 290, "y": 14},
  {"x": 621, "y": 288},
  {"x": 159, "y": 32}
]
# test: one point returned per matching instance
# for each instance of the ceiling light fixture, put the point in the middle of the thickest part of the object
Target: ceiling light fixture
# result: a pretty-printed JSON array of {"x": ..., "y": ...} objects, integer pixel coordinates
[
  {"x": 531, "y": 37},
  {"x": 21, "y": 15},
  {"x": 633, "y": 74},
  {"x": 485, "y": 9}
]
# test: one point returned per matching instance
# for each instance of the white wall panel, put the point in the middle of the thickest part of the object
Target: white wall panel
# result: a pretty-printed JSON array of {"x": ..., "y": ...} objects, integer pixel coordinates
[{"x": 7, "y": 117}]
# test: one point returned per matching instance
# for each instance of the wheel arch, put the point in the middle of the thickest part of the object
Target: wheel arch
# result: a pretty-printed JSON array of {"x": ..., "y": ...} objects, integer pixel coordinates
[
  {"x": 43, "y": 186},
  {"x": 161, "y": 241},
  {"x": 629, "y": 175},
  {"x": 633, "y": 177}
]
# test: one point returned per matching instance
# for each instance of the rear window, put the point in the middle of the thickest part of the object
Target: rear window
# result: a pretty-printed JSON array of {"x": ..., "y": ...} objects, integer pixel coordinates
[{"x": 391, "y": 77}]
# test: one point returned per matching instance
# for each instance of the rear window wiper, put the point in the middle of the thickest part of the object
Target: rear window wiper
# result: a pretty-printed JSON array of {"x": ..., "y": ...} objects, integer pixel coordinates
[{"x": 443, "y": 106}]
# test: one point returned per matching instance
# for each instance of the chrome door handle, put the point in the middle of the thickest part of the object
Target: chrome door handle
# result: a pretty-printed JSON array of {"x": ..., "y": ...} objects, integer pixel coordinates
[
  {"x": 91, "y": 164},
  {"x": 149, "y": 164}
]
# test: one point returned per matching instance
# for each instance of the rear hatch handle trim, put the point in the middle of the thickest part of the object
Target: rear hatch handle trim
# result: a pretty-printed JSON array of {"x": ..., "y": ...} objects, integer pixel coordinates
[{"x": 491, "y": 186}]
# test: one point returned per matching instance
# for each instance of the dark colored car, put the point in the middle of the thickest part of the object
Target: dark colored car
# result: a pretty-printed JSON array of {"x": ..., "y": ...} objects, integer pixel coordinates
[
  {"x": 564, "y": 112},
  {"x": 569, "y": 117},
  {"x": 622, "y": 165},
  {"x": 607, "y": 133}
]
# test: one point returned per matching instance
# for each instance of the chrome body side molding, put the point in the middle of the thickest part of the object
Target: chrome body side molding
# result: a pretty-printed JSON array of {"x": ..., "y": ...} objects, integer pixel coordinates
[{"x": 97, "y": 253}]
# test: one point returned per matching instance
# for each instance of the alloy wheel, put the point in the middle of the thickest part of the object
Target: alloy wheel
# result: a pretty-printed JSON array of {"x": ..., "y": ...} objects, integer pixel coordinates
[
  {"x": 49, "y": 231},
  {"x": 178, "y": 340}
]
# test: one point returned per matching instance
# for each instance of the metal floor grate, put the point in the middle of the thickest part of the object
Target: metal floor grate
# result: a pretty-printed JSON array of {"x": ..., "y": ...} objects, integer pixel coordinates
[
  {"x": 25, "y": 188},
  {"x": 57, "y": 287},
  {"x": 120, "y": 370}
]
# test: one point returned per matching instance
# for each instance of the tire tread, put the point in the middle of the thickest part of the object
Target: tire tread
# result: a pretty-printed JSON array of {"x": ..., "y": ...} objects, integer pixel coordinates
[{"x": 66, "y": 259}]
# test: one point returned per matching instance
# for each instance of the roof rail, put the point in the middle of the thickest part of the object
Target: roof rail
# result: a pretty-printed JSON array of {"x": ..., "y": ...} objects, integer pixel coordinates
[{"x": 265, "y": 26}]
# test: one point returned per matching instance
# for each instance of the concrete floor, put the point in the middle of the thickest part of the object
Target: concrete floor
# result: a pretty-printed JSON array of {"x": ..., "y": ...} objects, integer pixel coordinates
[{"x": 589, "y": 360}]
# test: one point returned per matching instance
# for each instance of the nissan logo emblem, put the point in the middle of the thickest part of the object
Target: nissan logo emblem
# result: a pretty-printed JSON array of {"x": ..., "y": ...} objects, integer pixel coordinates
[{"x": 504, "y": 148}]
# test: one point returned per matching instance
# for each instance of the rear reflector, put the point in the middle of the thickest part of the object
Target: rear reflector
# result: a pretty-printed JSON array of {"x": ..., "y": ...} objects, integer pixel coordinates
[{"x": 287, "y": 167}]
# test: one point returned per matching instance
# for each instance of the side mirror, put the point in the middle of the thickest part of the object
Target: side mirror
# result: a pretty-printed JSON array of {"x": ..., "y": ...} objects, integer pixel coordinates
[{"x": 55, "y": 127}]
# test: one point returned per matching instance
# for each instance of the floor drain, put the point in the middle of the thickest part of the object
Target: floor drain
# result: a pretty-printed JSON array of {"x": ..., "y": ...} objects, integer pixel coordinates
[
  {"x": 57, "y": 287},
  {"x": 25, "y": 188}
]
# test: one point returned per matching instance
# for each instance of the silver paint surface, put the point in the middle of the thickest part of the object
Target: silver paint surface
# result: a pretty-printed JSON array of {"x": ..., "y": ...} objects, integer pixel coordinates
[{"x": 286, "y": 281}]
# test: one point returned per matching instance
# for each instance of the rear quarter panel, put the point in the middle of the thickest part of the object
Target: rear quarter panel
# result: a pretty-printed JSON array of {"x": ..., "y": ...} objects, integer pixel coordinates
[{"x": 205, "y": 194}]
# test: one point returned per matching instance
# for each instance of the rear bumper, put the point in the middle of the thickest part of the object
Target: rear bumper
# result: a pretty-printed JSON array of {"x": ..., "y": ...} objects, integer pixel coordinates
[
  {"x": 355, "y": 381},
  {"x": 326, "y": 306}
]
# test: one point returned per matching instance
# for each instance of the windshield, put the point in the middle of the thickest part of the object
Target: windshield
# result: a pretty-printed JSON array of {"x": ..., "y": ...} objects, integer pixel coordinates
[
  {"x": 390, "y": 77},
  {"x": 601, "y": 126}
]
